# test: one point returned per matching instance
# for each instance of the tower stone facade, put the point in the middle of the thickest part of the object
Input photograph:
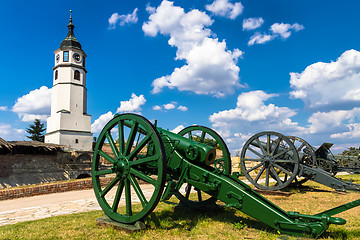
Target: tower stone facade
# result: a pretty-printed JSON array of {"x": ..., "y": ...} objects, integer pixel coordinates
[{"x": 69, "y": 123}]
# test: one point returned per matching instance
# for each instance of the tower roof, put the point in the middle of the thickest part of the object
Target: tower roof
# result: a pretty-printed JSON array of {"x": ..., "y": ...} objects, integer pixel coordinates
[{"x": 70, "y": 40}]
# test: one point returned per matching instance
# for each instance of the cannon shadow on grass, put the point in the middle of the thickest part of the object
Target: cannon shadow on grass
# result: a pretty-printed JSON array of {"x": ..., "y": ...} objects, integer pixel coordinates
[
  {"x": 341, "y": 234},
  {"x": 186, "y": 219},
  {"x": 183, "y": 218}
]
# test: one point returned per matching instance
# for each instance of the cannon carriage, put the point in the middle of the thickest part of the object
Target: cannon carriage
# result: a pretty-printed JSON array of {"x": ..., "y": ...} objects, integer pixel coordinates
[
  {"x": 146, "y": 163},
  {"x": 272, "y": 161}
]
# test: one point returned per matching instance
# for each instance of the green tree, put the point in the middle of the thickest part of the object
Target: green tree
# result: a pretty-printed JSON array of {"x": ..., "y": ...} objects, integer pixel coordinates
[{"x": 36, "y": 131}]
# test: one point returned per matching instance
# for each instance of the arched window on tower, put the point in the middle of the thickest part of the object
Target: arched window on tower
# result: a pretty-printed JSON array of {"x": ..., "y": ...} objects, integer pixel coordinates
[
  {"x": 56, "y": 74},
  {"x": 77, "y": 75}
]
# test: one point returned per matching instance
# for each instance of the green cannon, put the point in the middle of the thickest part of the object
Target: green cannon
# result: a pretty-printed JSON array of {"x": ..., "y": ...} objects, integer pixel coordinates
[
  {"x": 136, "y": 164},
  {"x": 272, "y": 161}
]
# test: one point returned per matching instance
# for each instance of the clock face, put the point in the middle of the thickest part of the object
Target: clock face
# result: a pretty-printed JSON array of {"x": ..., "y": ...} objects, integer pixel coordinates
[
  {"x": 77, "y": 57},
  {"x": 57, "y": 58}
]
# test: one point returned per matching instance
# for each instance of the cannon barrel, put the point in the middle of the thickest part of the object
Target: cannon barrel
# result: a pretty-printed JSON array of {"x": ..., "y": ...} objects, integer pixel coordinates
[{"x": 194, "y": 151}]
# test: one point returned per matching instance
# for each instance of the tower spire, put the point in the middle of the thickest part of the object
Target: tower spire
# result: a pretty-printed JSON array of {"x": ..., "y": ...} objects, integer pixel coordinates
[{"x": 70, "y": 40}]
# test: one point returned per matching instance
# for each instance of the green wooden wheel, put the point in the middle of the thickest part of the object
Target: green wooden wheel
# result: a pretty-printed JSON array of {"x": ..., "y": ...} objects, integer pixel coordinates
[
  {"x": 128, "y": 168},
  {"x": 222, "y": 164},
  {"x": 269, "y": 160}
]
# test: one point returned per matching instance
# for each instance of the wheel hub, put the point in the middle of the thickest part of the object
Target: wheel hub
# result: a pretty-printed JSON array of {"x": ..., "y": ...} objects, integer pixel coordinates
[
  {"x": 121, "y": 167},
  {"x": 268, "y": 160}
]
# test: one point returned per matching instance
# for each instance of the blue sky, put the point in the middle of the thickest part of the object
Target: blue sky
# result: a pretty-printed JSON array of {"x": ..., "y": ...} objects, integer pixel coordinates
[{"x": 239, "y": 67}]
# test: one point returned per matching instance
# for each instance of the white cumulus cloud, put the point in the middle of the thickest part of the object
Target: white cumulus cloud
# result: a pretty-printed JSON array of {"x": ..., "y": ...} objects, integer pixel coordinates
[
  {"x": 210, "y": 67},
  {"x": 35, "y": 104},
  {"x": 277, "y": 30},
  {"x": 252, "y": 115},
  {"x": 3, "y": 108},
  {"x": 123, "y": 19},
  {"x": 99, "y": 123},
  {"x": 252, "y": 23},
  {"x": 8, "y": 133},
  {"x": 182, "y": 108},
  {"x": 259, "y": 38},
  {"x": 169, "y": 106},
  {"x": 284, "y": 29},
  {"x": 224, "y": 8},
  {"x": 133, "y": 105},
  {"x": 354, "y": 132},
  {"x": 157, "y": 108},
  {"x": 333, "y": 85},
  {"x": 178, "y": 129},
  {"x": 335, "y": 122}
]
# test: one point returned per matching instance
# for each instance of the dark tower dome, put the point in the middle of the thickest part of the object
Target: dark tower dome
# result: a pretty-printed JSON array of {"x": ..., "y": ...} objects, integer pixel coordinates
[{"x": 70, "y": 40}]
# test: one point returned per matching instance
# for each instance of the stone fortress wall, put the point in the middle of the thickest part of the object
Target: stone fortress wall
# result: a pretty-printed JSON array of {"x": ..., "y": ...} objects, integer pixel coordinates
[{"x": 26, "y": 163}]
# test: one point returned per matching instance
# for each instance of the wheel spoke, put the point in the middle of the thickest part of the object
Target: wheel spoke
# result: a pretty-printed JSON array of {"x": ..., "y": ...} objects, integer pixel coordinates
[
  {"x": 190, "y": 136},
  {"x": 138, "y": 190},
  {"x": 281, "y": 153},
  {"x": 253, "y": 168},
  {"x": 301, "y": 146},
  {"x": 121, "y": 136},
  {"x": 119, "y": 191},
  {"x": 276, "y": 146},
  {"x": 128, "y": 197},
  {"x": 131, "y": 138},
  {"x": 252, "y": 150},
  {"x": 268, "y": 143},
  {"x": 140, "y": 146},
  {"x": 282, "y": 169},
  {"x": 187, "y": 191},
  {"x": 143, "y": 176},
  {"x": 259, "y": 174},
  {"x": 103, "y": 172},
  {"x": 267, "y": 177},
  {"x": 144, "y": 160},
  {"x": 253, "y": 159},
  {"x": 109, "y": 187},
  {"x": 202, "y": 138},
  {"x": 114, "y": 149},
  {"x": 199, "y": 195},
  {"x": 214, "y": 144},
  {"x": 260, "y": 145},
  {"x": 107, "y": 157},
  {"x": 275, "y": 175}
]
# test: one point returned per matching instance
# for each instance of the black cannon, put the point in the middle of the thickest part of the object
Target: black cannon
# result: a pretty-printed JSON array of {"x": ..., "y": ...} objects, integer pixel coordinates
[{"x": 272, "y": 161}]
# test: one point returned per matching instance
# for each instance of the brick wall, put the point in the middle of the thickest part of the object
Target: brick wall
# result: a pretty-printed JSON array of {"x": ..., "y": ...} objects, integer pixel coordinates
[{"x": 34, "y": 190}]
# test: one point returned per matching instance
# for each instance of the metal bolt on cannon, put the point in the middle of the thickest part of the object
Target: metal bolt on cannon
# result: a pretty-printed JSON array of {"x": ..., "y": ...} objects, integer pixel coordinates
[{"x": 197, "y": 158}]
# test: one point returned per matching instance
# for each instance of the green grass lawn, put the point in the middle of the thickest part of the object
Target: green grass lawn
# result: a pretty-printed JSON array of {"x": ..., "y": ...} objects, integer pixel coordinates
[{"x": 180, "y": 223}]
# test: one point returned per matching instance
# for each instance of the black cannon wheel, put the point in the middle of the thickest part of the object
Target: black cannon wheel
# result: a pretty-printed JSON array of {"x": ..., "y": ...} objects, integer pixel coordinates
[
  {"x": 128, "y": 168},
  {"x": 222, "y": 163},
  {"x": 351, "y": 159},
  {"x": 308, "y": 158},
  {"x": 269, "y": 160}
]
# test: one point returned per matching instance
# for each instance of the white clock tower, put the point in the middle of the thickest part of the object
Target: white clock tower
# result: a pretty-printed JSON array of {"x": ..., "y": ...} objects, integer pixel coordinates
[{"x": 69, "y": 123}]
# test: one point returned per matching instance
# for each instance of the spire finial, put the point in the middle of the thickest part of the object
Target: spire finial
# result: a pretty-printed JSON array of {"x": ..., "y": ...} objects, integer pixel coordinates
[{"x": 70, "y": 40}]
